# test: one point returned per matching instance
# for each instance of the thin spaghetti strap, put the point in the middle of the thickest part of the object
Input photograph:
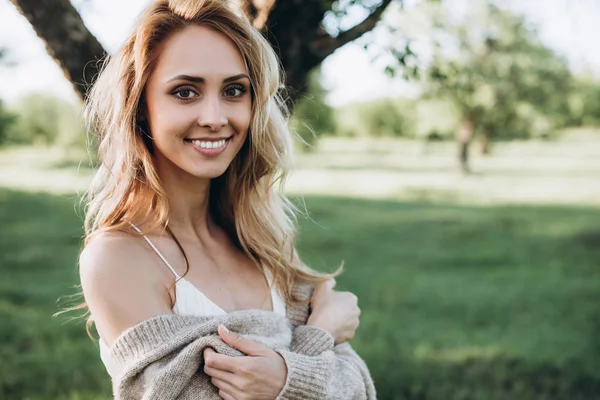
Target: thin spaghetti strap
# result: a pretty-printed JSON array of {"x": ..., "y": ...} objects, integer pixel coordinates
[{"x": 177, "y": 277}]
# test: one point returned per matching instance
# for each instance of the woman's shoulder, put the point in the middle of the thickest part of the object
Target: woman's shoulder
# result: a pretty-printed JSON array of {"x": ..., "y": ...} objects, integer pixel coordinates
[
  {"x": 114, "y": 250},
  {"x": 112, "y": 260},
  {"x": 118, "y": 283},
  {"x": 116, "y": 256}
]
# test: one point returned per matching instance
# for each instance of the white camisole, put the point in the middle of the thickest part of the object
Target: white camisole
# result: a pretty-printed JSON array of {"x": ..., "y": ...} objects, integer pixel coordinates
[{"x": 190, "y": 301}]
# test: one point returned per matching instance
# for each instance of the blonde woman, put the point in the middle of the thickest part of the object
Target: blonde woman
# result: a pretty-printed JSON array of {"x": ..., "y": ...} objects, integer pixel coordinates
[{"x": 189, "y": 267}]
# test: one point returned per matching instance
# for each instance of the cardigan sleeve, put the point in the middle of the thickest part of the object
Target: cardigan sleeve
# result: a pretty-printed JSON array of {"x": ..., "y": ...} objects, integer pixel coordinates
[{"x": 319, "y": 370}]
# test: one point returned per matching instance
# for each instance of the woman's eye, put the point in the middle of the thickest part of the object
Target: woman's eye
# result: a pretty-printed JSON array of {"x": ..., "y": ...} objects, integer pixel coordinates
[
  {"x": 235, "y": 91},
  {"x": 184, "y": 93}
]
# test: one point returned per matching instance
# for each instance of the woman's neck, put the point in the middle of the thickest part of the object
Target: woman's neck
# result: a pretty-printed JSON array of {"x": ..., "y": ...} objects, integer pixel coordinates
[{"x": 189, "y": 199}]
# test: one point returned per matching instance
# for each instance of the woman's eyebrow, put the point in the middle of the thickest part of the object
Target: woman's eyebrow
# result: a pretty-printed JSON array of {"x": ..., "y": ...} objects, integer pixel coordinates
[
  {"x": 199, "y": 79},
  {"x": 235, "y": 78}
]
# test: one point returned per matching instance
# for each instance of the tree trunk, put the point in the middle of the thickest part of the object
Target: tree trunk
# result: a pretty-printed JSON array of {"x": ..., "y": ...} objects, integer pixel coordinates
[
  {"x": 67, "y": 39},
  {"x": 291, "y": 30},
  {"x": 486, "y": 143},
  {"x": 464, "y": 157},
  {"x": 465, "y": 135}
]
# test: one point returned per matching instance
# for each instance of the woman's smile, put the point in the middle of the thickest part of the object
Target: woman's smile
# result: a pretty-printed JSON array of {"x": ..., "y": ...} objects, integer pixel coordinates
[{"x": 209, "y": 147}]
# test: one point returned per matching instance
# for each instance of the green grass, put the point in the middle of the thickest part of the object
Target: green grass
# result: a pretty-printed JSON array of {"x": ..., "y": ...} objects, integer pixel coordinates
[
  {"x": 458, "y": 302},
  {"x": 469, "y": 303}
]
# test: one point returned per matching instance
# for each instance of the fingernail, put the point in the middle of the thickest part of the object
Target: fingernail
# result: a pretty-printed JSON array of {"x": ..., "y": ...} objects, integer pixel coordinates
[{"x": 225, "y": 328}]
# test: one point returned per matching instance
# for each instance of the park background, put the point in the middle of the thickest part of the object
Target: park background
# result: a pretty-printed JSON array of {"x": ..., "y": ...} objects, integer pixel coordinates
[{"x": 450, "y": 156}]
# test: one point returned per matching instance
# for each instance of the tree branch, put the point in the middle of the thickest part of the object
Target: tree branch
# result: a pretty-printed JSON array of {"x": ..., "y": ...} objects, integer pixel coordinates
[
  {"x": 67, "y": 39},
  {"x": 324, "y": 45}
]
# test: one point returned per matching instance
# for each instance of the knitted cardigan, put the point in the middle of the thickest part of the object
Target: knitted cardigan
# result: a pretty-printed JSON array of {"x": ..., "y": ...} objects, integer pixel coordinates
[{"x": 162, "y": 357}]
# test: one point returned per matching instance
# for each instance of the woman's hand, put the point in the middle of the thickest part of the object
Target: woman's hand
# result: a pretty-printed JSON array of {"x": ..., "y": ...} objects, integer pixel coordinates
[
  {"x": 261, "y": 375},
  {"x": 334, "y": 312}
]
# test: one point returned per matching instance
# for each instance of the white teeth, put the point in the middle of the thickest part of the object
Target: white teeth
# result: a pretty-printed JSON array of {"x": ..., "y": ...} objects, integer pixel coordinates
[{"x": 205, "y": 144}]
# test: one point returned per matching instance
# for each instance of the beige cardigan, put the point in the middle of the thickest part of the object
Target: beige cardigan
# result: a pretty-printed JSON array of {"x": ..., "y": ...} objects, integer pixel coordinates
[{"x": 161, "y": 358}]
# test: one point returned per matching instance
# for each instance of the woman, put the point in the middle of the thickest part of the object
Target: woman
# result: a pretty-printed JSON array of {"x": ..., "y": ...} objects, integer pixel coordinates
[{"x": 185, "y": 231}]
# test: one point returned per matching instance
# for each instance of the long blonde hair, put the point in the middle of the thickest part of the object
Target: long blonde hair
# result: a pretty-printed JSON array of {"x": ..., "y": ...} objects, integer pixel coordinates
[{"x": 246, "y": 201}]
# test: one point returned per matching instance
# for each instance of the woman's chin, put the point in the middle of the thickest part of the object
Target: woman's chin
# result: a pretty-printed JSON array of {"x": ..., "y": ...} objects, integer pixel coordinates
[{"x": 208, "y": 173}]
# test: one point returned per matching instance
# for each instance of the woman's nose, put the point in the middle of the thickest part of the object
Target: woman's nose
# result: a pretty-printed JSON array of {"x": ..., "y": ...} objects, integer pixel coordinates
[{"x": 211, "y": 114}]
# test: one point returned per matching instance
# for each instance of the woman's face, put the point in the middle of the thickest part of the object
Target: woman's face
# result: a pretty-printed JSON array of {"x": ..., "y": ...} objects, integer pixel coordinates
[{"x": 198, "y": 102}]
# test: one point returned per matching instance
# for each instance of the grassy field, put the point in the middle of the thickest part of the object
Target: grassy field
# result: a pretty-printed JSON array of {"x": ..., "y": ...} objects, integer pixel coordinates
[{"x": 461, "y": 300}]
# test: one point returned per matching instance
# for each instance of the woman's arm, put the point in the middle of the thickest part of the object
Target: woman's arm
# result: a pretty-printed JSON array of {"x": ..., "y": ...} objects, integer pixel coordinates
[{"x": 320, "y": 356}]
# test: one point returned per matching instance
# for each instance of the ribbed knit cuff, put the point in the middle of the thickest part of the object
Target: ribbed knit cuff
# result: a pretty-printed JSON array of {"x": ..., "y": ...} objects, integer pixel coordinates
[
  {"x": 311, "y": 341},
  {"x": 307, "y": 377},
  {"x": 147, "y": 336}
]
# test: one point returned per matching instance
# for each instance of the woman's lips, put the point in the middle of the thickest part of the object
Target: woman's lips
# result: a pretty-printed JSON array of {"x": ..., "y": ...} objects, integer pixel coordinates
[{"x": 210, "y": 147}]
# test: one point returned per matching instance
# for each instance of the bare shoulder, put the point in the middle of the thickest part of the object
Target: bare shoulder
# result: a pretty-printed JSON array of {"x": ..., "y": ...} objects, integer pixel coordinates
[
  {"x": 113, "y": 257},
  {"x": 120, "y": 284}
]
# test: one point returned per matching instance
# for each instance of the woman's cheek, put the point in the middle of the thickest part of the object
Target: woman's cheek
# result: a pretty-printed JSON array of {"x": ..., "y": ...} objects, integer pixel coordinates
[
  {"x": 169, "y": 125},
  {"x": 244, "y": 121}
]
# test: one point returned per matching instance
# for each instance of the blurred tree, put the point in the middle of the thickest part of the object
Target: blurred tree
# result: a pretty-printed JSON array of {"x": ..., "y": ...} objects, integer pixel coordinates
[
  {"x": 303, "y": 33},
  {"x": 377, "y": 118},
  {"x": 502, "y": 79},
  {"x": 391, "y": 44},
  {"x": 382, "y": 118},
  {"x": 585, "y": 101},
  {"x": 46, "y": 120},
  {"x": 313, "y": 117},
  {"x": 7, "y": 119}
]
